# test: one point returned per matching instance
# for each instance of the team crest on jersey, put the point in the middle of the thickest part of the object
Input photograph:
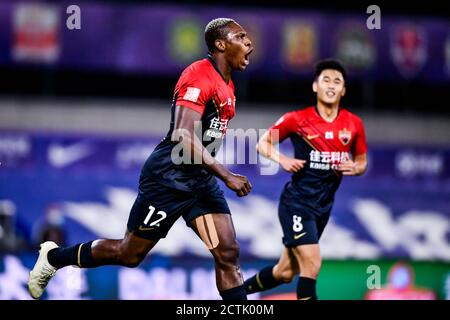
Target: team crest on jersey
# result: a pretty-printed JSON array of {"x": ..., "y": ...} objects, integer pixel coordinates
[{"x": 345, "y": 136}]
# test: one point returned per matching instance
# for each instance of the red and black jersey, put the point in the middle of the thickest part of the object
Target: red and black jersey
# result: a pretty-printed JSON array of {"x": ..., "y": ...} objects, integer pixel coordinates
[
  {"x": 323, "y": 145},
  {"x": 201, "y": 87}
]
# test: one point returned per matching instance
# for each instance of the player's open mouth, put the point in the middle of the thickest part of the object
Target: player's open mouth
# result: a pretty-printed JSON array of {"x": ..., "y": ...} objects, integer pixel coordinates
[
  {"x": 330, "y": 94},
  {"x": 247, "y": 57}
]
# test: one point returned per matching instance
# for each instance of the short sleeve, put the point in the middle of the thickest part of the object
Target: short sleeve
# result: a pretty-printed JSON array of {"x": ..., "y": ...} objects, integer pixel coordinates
[
  {"x": 284, "y": 127},
  {"x": 194, "y": 90},
  {"x": 360, "y": 145}
]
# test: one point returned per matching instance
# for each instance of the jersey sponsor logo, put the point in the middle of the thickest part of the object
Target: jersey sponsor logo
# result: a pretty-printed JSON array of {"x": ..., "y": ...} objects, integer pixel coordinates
[
  {"x": 345, "y": 136},
  {"x": 312, "y": 136},
  {"x": 192, "y": 94},
  {"x": 219, "y": 124},
  {"x": 320, "y": 166},
  {"x": 298, "y": 236},
  {"x": 214, "y": 134},
  {"x": 326, "y": 160}
]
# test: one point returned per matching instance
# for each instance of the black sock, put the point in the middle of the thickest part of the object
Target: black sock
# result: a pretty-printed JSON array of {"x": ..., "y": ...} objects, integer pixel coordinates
[
  {"x": 306, "y": 289},
  {"x": 236, "y": 293},
  {"x": 77, "y": 255},
  {"x": 261, "y": 281}
]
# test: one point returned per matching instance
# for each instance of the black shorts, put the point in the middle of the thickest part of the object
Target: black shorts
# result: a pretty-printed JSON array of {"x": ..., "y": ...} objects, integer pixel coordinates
[
  {"x": 154, "y": 212},
  {"x": 299, "y": 223}
]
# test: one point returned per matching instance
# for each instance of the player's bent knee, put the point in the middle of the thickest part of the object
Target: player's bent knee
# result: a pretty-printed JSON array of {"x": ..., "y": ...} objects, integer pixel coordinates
[
  {"x": 287, "y": 275},
  {"x": 284, "y": 272},
  {"x": 311, "y": 268},
  {"x": 227, "y": 255}
]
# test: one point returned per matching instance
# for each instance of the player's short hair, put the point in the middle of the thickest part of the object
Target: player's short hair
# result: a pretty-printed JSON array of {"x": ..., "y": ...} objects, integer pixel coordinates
[
  {"x": 330, "y": 64},
  {"x": 216, "y": 29}
]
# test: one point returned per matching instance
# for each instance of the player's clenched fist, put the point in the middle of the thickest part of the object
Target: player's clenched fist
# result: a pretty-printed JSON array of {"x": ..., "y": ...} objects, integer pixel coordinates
[
  {"x": 291, "y": 164},
  {"x": 239, "y": 184}
]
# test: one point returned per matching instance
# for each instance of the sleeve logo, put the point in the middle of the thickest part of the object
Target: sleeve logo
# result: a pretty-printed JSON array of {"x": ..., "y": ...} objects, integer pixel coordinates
[{"x": 192, "y": 94}]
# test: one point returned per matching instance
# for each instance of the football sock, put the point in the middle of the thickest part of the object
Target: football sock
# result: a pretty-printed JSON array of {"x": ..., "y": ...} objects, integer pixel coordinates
[
  {"x": 237, "y": 293},
  {"x": 306, "y": 289},
  {"x": 77, "y": 255},
  {"x": 261, "y": 281}
]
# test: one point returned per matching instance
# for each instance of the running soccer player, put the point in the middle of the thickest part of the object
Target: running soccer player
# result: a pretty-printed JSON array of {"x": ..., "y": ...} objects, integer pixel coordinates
[
  {"x": 178, "y": 178},
  {"x": 324, "y": 138}
]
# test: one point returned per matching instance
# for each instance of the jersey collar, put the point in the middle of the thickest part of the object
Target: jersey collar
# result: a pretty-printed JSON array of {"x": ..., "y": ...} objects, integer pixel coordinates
[
  {"x": 210, "y": 58},
  {"x": 318, "y": 114}
]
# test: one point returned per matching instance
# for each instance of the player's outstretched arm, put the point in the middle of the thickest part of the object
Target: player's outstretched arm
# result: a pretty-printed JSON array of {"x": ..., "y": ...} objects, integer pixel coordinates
[
  {"x": 266, "y": 147},
  {"x": 186, "y": 121}
]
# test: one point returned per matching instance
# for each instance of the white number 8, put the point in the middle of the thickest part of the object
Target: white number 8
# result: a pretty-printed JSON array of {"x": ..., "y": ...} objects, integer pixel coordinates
[{"x": 297, "y": 226}]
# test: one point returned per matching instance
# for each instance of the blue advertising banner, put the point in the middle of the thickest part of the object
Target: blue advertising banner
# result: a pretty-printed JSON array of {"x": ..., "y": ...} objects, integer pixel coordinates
[
  {"x": 86, "y": 185},
  {"x": 170, "y": 278},
  {"x": 160, "y": 39}
]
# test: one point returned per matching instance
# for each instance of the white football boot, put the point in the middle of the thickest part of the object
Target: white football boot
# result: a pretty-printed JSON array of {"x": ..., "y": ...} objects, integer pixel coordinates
[{"x": 42, "y": 272}]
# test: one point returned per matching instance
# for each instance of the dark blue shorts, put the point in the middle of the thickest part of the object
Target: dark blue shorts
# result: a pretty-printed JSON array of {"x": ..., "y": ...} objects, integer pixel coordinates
[
  {"x": 300, "y": 224},
  {"x": 154, "y": 212}
]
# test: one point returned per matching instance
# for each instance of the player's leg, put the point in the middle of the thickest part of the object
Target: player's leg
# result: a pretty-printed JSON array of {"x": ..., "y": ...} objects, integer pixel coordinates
[
  {"x": 309, "y": 260},
  {"x": 217, "y": 232},
  {"x": 307, "y": 253},
  {"x": 128, "y": 251},
  {"x": 147, "y": 224},
  {"x": 140, "y": 237},
  {"x": 272, "y": 276}
]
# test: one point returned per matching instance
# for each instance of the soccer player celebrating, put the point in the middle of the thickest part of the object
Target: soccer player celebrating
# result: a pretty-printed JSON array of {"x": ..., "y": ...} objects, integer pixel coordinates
[
  {"x": 178, "y": 178},
  {"x": 323, "y": 136}
]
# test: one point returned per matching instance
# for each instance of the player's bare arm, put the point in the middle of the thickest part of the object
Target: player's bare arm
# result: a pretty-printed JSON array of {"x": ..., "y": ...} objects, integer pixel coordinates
[
  {"x": 356, "y": 167},
  {"x": 266, "y": 147},
  {"x": 185, "y": 123}
]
